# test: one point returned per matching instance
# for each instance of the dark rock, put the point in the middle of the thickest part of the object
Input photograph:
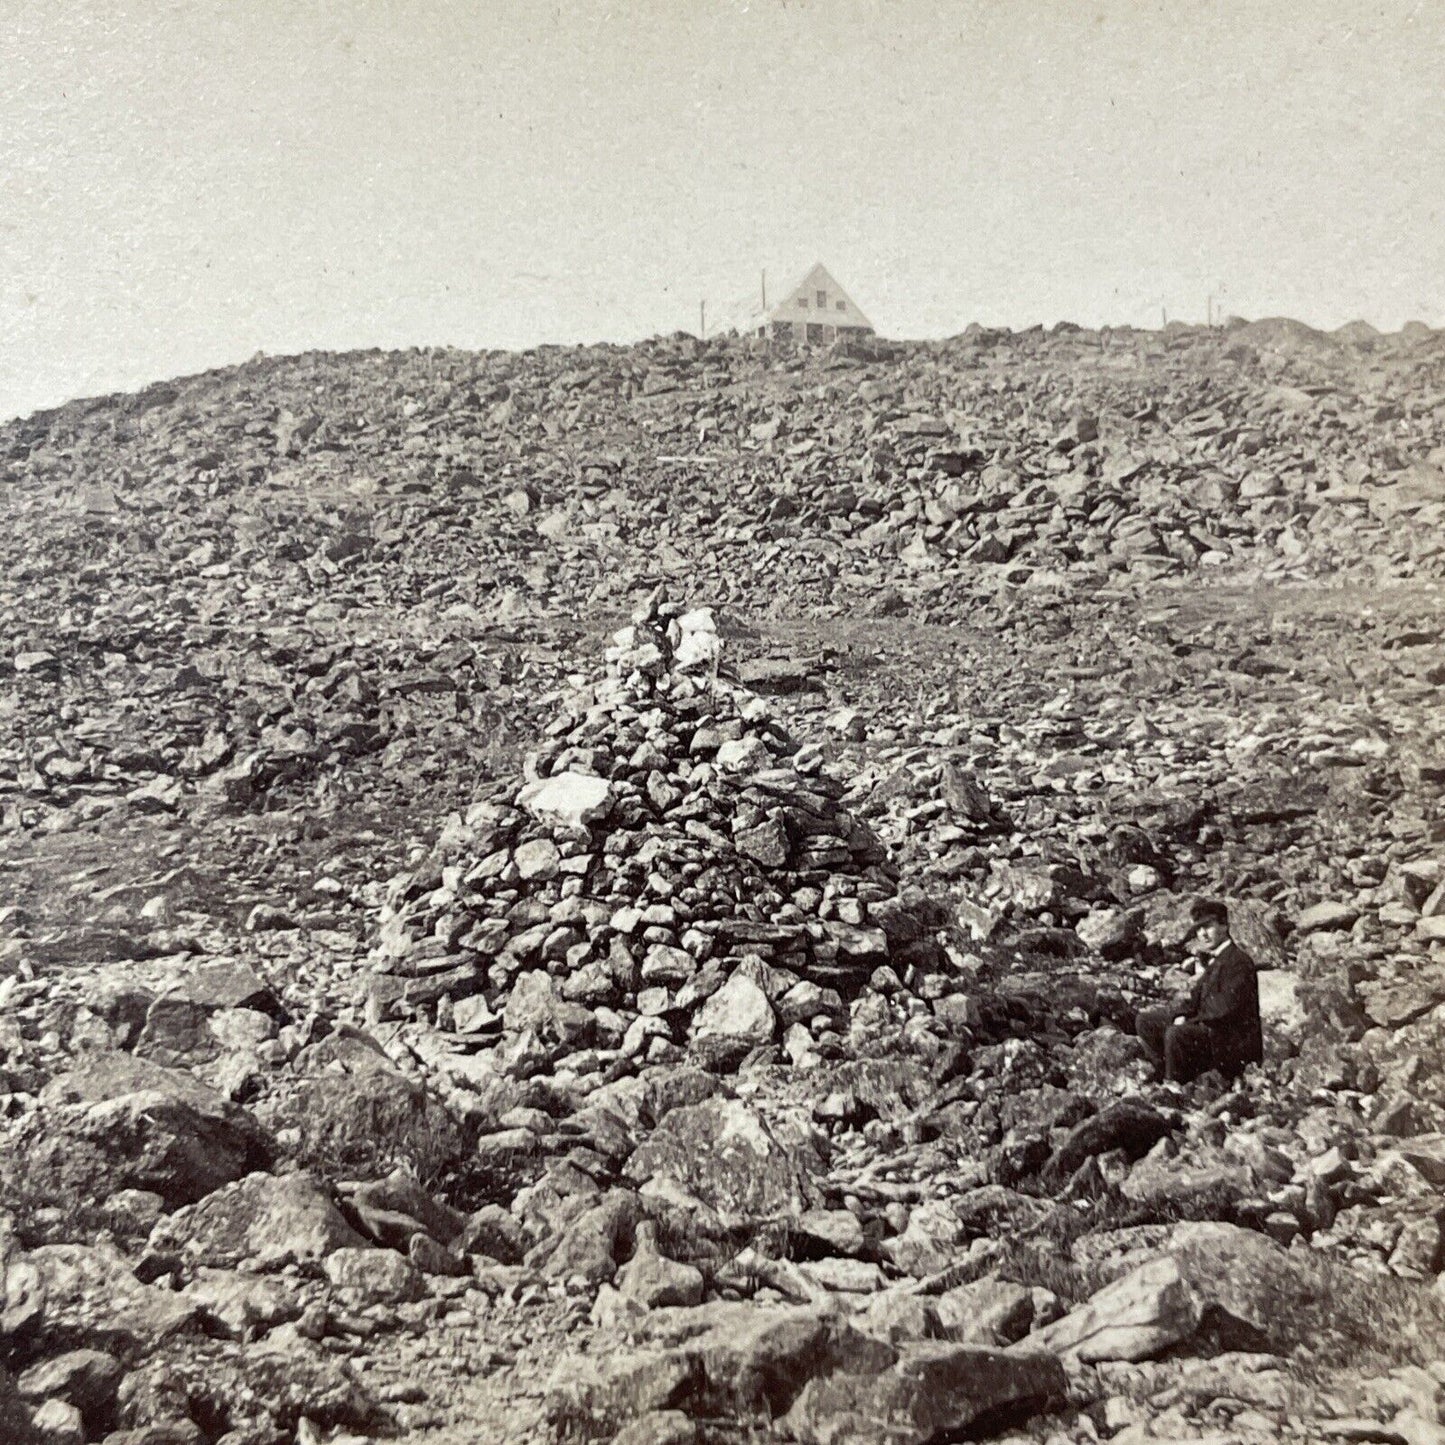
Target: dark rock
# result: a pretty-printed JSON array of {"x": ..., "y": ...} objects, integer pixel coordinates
[
  {"x": 362, "y": 1125},
  {"x": 118, "y": 1122},
  {"x": 1128, "y": 1125},
  {"x": 933, "y": 1392},
  {"x": 17, "y": 1427}
]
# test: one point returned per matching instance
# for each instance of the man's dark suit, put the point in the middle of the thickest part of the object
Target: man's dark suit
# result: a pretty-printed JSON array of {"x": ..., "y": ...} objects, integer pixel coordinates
[{"x": 1221, "y": 1028}]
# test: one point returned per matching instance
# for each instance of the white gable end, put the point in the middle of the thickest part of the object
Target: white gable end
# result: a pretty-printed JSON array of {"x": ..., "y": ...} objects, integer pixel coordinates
[{"x": 820, "y": 299}]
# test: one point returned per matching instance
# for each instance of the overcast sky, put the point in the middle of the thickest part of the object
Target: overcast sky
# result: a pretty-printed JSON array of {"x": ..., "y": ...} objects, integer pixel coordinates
[{"x": 187, "y": 182}]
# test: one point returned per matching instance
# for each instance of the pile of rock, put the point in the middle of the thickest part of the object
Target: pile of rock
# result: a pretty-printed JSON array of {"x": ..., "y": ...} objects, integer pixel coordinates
[
  {"x": 269, "y": 625},
  {"x": 675, "y": 873}
]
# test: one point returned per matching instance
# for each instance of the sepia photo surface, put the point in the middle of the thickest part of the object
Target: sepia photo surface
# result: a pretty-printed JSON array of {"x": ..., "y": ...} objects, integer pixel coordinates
[{"x": 722, "y": 722}]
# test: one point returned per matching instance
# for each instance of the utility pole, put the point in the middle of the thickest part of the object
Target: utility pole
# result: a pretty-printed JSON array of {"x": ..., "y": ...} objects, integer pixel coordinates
[
  {"x": 702, "y": 320},
  {"x": 765, "y": 288},
  {"x": 1164, "y": 314},
  {"x": 1209, "y": 311}
]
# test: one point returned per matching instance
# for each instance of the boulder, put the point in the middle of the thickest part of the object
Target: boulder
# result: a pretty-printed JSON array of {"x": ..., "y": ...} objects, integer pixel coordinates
[
  {"x": 538, "y": 860},
  {"x": 391, "y": 1210},
  {"x": 22, "y": 1299},
  {"x": 756, "y": 1361},
  {"x": 1327, "y": 917},
  {"x": 568, "y": 799},
  {"x": 899, "y": 1314},
  {"x": 493, "y": 1232},
  {"x": 591, "y": 1244},
  {"x": 363, "y": 1124},
  {"x": 829, "y": 1232},
  {"x": 177, "y": 1034},
  {"x": 654, "y": 1280},
  {"x": 373, "y": 1276},
  {"x": 1203, "y": 1179},
  {"x": 262, "y": 1217},
  {"x": 739, "y": 1012},
  {"x": 1282, "y": 1010},
  {"x": 743, "y": 755},
  {"x": 93, "y": 1300},
  {"x": 224, "y": 984},
  {"x": 1129, "y": 1125},
  {"x": 1246, "y": 1291},
  {"x": 1255, "y": 927},
  {"x": 184, "y": 1026},
  {"x": 592, "y": 1398},
  {"x": 242, "y": 1306},
  {"x": 726, "y": 1361},
  {"x": 935, "y": 1391},
  {"x": 721, "y": 1157},
  {"x": 1134, "y": 1318},
  {"x": 534, "y": 1005},
  {"x": 767, "y": 843},
  {"x": 59, "y": 1423},
  {"x": 987, "y": 1311},
  {"x": 1263, "y": 1296},
  {"x": 931, "y": 1241},
  {"x": 118, "y": 1122},
  {"x": 260, "y": 1390},
  {"x": 84, "y": 1378}
]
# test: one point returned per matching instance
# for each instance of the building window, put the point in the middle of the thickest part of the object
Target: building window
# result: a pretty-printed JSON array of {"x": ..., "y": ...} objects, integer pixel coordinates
[
  {"x": 842, "y": 306},
  {"x": 803, "y": 302},
  {"x": 822, "y": 301},
  {"x": 815, "y": 332}
]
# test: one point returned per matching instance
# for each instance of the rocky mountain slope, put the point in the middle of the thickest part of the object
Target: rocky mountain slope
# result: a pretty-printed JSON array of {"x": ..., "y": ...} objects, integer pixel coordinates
[{"x": 602, "y": 894}]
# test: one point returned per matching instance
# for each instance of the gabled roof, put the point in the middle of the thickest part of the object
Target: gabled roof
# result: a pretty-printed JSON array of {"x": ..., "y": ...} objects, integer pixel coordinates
[
  {"x": 788, "y": 307},
  {"x": 800, "y": 304}
]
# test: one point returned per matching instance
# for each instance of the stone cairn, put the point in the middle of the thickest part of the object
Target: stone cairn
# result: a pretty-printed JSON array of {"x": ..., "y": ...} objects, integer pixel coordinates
[{"x": 675, "y": 874}]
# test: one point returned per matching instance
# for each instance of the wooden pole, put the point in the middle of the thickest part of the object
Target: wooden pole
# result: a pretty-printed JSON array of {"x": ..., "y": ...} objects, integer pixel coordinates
[
  {"x": 765, "y": 288},
  {"x": 702, "y": 320}
]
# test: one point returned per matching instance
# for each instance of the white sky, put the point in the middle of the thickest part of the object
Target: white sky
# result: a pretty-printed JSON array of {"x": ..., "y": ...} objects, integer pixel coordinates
[{"x": 185, "y": 182}]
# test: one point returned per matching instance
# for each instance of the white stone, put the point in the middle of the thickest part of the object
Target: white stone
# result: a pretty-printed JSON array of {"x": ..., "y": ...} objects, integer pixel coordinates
[
  {"x": 700, "y": 619},
  {"x": 571, "y": 799},
  {"x": 743, "y": 755},
  {"x": 375, "y": 1276},
  {"x": 739, "y": 1009},
  {"x": 1134, "y": 1318},
  {"x": 696, "y": 642},
  {"x": 538, "y": 859},
  {"x": 1280, "y": 1006},
  {"x": 697, "y": 649},
  {"x": 59, "y": 1423}
]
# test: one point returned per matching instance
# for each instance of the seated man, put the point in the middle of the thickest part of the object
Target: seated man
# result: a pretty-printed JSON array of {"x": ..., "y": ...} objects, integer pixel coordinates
[{"x": 1216, "y": 1025}]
